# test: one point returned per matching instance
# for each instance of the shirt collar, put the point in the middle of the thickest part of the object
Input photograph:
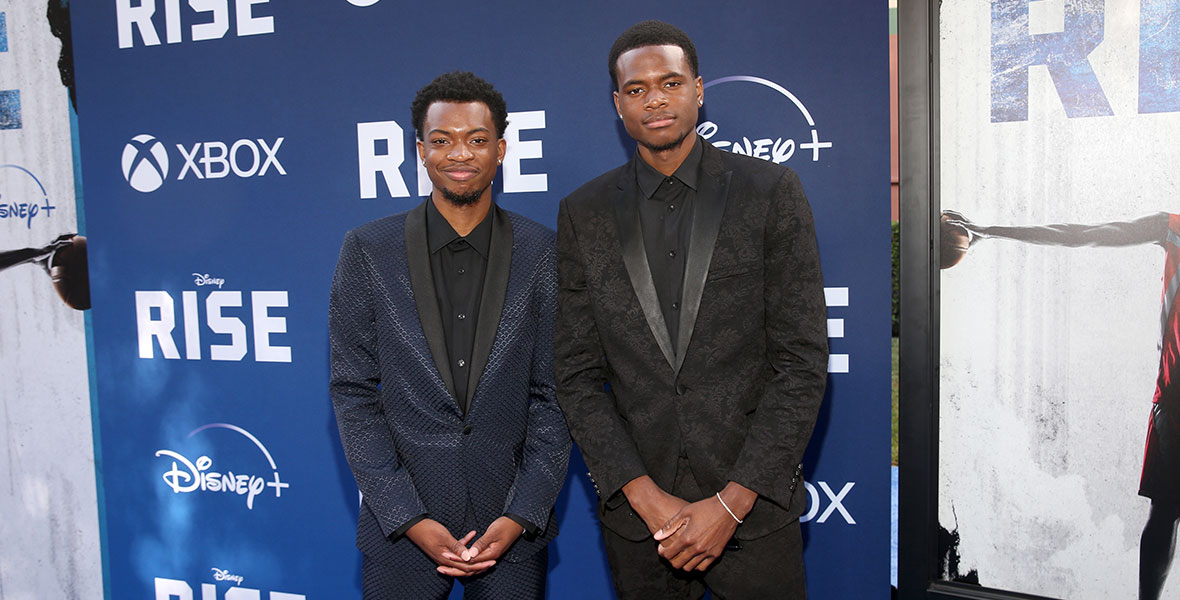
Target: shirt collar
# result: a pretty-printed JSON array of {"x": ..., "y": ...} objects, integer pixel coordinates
[
  {"x": 649, "y": 178},
  {"x": 439, "y": 232}
]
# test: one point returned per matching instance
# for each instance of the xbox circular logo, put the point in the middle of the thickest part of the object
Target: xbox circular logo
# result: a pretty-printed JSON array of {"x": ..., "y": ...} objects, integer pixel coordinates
[{"x": 145, "y": 163}]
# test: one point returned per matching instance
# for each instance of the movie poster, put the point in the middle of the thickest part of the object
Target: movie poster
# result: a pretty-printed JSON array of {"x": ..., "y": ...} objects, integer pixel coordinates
[
  {"x": 48, "y": 507},
  {"x": 1059, "y": 182}
]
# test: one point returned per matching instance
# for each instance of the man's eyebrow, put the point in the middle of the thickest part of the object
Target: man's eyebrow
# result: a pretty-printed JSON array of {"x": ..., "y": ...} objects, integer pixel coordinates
[
  {"x": 468, "y": 132},
  {"x": 664, "y": 77}
]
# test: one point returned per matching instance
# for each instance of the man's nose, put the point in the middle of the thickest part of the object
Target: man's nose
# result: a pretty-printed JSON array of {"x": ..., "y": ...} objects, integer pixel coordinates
[
  {"x": 459, "y": 151},
  {"x": 656, "y": 98}
]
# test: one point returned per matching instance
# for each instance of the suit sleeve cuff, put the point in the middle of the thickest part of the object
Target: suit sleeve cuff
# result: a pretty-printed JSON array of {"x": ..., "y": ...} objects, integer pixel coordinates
[
  {"x": 777, "y": 489},
  {"x": 400, "y": 531},
  {"x": 615, "y": 496},
  {"x": 530, "y": 530}
]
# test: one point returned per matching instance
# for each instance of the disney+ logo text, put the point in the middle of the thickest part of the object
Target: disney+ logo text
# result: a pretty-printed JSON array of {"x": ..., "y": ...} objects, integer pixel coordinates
[{"x": 186, "y": 476}]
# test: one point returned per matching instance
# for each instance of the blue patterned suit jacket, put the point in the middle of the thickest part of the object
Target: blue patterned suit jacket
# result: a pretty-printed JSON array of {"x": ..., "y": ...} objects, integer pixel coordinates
[{"x": 410, "y": 447}]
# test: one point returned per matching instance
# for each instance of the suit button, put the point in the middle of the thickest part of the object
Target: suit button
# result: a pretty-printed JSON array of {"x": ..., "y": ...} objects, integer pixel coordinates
[
  {"x": 681, "y": 389},
  {"x": 467, "y": 430}
]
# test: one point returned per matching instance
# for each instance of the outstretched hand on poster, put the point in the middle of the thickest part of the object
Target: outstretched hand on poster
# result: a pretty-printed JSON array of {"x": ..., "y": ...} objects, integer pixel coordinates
[
  {"x": 64, "y": 260},
  {"x": 955, "y": 237}
]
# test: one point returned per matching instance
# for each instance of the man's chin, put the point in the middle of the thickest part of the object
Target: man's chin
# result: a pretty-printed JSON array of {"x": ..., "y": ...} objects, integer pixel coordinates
[
  {"x": 462, "y": 199},
  {"x": 658, "y": 147}
]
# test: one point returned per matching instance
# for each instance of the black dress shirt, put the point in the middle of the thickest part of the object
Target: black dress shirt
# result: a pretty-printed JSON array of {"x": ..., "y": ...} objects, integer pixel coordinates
[
  {"x": 458, "y": 264},
  {"x": 665, "y": 215}
]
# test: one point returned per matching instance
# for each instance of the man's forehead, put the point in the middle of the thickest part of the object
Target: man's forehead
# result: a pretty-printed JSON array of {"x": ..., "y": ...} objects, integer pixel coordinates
[
  {"x": 660, "y": 57},
  {"x": 671, "y": 51},
  {"x": 459, "y": 116}
]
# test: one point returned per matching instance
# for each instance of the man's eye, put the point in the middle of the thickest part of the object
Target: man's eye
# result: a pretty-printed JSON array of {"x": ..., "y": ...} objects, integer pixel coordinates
[
  {"x": 673, "y": 84},
  {"x": 479, "y": 141},
  {"x": 634, "y": 91},
  {"x": 438, "y": 142}
]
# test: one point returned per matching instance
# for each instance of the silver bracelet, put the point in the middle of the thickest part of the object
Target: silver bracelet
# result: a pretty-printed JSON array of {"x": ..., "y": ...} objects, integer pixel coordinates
[{"x": 726, "y": 507}]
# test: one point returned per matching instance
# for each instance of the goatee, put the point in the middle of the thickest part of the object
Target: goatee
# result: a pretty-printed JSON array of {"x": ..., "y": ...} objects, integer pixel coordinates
[
  {"x": 666, "y": 147},
  {"x": 462, "y": 199}
]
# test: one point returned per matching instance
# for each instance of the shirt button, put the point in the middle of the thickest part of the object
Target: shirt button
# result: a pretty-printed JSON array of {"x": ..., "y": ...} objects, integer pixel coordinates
[
  {"x": 462, "y": 316},
  {"x": 669, "y": 181},
  {"x": 671, "y": 254},
  {"x": 462, "y": 270},
  {"x": 462, "y": 363},
  {"x": 671, "y": 207},
  {"x": 675, "y": 306}
]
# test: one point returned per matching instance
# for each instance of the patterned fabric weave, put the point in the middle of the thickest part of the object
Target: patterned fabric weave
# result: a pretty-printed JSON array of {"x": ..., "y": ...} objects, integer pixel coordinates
[
  {"x": 524, "y": 580},
  {"x": 410, "y": 448},
  {"x": 741, "y": 393}
]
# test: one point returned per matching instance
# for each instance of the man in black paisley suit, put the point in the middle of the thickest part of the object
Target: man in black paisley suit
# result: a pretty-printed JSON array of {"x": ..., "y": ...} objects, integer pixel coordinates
[
  {"x": 441, "y": 329},
  {"x": 691, "y": 343}
]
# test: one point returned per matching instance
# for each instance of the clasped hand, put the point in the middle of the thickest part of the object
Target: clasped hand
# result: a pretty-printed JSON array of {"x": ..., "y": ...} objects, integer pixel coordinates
[
  {"x": 691, "y": 535},
  {"x": 694, "y": 537},
  {"x": 453, "y": 556}
]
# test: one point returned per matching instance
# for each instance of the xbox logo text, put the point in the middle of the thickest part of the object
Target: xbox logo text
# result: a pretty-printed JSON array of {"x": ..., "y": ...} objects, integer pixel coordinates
[
  {"x": 145, "y": 160},
  {"x": 145, "y": 163}
]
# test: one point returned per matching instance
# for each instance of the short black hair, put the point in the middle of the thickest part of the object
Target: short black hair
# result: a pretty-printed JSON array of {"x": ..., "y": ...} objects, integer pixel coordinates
[
  {"x": 459, "y": 86},
  {"x": 652, "y": 33}
]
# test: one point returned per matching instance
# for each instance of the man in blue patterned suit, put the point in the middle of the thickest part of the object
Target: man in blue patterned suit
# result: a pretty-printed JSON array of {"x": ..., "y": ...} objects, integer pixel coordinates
[{"x": 441, "y": 328}]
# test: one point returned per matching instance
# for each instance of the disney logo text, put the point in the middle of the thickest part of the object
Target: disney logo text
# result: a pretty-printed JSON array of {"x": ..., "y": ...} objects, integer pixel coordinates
[
  {"x": 224, "y": 575},
  {"x": 193, "y": 477},
  {"x": 205, "y": 279},
  {"x": 26, "y": 211}
]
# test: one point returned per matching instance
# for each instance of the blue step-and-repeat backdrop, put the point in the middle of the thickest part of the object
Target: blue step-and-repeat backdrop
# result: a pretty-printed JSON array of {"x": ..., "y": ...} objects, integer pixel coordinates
[{"x": 226, "y": 147}]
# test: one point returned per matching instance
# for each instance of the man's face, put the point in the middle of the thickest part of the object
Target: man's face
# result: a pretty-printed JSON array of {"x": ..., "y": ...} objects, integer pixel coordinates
[
  {"x": 460, "y": 150},
  {"x": 658, "y": 97}
]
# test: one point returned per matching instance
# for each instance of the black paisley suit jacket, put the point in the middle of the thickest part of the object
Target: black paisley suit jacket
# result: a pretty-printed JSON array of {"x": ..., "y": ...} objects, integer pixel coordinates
[
  {"x": 410, "y": 447},
  {"x": 742, "y": 389}
]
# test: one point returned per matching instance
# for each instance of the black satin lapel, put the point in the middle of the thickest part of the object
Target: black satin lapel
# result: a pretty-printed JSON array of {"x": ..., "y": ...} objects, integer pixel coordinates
[
  {"x": 491, "y": 304},
  {"x": 706, "y": 222},
  {"x": 418, "y": 257},
  {"x": 635, "y": 258}
]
